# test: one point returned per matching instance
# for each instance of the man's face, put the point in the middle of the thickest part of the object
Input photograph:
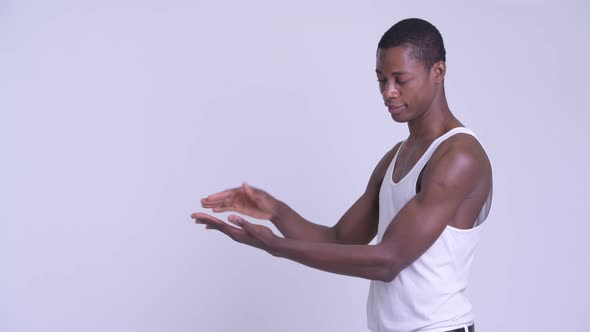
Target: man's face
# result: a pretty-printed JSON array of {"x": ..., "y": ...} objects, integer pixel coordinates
[{"x": 407, "y": 87}]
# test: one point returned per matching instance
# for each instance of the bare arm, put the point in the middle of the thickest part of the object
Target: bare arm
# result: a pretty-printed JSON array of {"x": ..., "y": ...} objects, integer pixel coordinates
[
  {"x": 446, "y": 184},
  {"x": 357, "y": 226},
  {"x": 414, "y": 229}
]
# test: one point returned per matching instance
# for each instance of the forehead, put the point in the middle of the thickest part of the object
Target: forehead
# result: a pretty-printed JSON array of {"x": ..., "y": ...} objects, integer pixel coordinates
[{"x": 397, "y": 59}]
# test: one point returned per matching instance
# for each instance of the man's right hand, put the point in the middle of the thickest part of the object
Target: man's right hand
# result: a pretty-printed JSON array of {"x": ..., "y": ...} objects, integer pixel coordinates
[{"x": 246, "y": 200}]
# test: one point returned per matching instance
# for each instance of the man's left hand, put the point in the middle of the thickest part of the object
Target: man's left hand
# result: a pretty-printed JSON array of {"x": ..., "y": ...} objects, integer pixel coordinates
[{"x": 257, "y": 236}]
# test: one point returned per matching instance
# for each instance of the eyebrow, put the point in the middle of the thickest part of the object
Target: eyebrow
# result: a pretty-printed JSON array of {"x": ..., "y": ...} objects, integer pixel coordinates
[{"x": 394, "y": 73}]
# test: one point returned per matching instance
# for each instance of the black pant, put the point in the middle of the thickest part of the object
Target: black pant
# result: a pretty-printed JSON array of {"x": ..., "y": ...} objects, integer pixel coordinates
[{"x": 470, "y": 328}]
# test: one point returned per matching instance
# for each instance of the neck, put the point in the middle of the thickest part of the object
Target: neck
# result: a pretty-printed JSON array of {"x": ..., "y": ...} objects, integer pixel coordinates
[{"x": 433, "y": 123}]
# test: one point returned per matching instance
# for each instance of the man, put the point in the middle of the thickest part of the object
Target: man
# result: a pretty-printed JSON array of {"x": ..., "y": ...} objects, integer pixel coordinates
[{"x": 425, "y": 202}]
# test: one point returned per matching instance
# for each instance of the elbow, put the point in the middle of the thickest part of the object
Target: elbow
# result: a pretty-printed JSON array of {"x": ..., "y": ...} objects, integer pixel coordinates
[
  {"x": 389, "y": 266},
  {"x": 388, "y": 274}
]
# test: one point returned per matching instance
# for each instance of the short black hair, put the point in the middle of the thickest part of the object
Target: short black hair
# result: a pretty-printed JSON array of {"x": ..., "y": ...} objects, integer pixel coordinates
[{"x": 425, "y": 39}]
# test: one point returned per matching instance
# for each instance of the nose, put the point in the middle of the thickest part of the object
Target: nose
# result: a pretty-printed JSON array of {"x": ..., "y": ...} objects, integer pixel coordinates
[{"x": 389, "y": 91}]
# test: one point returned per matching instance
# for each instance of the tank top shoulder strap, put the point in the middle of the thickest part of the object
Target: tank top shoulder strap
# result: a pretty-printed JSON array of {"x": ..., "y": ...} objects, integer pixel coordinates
[
  {"x": 445, "y": 136},
  {"x": 456, "y": 130}
]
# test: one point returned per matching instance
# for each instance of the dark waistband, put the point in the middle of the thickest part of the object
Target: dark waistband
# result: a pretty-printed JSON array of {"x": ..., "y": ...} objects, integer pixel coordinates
[{"x": 470, "y": 328}]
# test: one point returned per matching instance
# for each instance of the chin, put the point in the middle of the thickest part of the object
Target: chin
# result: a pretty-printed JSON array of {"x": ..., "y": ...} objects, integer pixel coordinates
[{"x": 399, "y": 118}]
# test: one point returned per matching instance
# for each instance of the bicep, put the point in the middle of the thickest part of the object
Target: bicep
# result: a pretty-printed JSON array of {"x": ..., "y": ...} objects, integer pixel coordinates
[
  {"x": 422, "y": 220},
  {"x": 413, "y": 230}
]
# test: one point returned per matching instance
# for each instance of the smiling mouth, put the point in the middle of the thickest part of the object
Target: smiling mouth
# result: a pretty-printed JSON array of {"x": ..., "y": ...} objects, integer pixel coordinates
[{"x": 395, "y": 109}]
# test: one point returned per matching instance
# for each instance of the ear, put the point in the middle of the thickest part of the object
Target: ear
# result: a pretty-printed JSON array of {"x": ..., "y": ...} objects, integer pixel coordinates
[{"x": 438, "y": 71}]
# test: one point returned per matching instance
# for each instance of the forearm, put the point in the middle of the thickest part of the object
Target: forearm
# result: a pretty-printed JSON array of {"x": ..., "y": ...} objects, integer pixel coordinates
[
  {"x": 293, "y": 226},
  {"x": 365, "y": 261}
]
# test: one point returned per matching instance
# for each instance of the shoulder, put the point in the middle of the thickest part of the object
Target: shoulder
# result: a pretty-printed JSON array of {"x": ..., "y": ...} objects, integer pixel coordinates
[
  {"x": 461, "y": 150},
  {"x": 459, "y": 162}
]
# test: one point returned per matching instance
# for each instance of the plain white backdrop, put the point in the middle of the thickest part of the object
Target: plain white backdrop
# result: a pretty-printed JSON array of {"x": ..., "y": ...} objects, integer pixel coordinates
[{"x": 116, "y": 117}]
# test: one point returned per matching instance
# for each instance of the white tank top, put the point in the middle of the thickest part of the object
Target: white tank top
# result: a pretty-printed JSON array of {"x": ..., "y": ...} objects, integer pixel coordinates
[{"x": 429, "y": 294}]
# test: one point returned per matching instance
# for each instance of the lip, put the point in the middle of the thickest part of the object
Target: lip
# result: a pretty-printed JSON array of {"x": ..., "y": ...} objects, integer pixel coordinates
[{"x": 395, "y": 109}]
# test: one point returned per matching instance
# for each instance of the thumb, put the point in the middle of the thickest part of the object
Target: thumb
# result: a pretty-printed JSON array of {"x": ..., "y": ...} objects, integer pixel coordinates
[
  {"x": 248, "y": 190},
  {"x": 236, "y": 220},
  {"x": 241, "y": 222}
]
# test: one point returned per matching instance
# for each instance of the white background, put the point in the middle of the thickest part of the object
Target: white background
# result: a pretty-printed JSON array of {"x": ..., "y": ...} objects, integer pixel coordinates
[{"x": 116, "y": 117}]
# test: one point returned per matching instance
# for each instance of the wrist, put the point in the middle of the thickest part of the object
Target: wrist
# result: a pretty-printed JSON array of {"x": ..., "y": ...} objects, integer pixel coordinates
[
  {"x": 279, "y": 247},
  {"x": 277, "y": 211}
]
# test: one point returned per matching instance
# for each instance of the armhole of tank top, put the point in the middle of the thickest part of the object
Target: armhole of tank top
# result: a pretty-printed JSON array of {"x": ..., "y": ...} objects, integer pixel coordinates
[
  {"x": 462, "y": 130},
  {"x": 419, "y": 181}
]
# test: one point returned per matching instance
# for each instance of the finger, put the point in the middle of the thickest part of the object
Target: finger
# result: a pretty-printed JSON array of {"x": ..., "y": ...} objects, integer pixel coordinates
[
  {"x": 196, "y": 215},
  {"x": 213, "y": 223},
  {"x": 218, "y": 198},
  {"x": 206, "y": 203},
  {"x": 200, "y": 216},
  {"x": 203, "y": 218},
  {"x": 236, "y": 220},
  {"x": 224, "y": 228},
  {"x": 241, "y": 222},
  {"x": 226, "y": 201},
  {"x": 209, "y": 204},
  {"x": 223, "y": 209},
  {"x": 249, "y": 191},
  {"x": 222, "y": 194}
]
